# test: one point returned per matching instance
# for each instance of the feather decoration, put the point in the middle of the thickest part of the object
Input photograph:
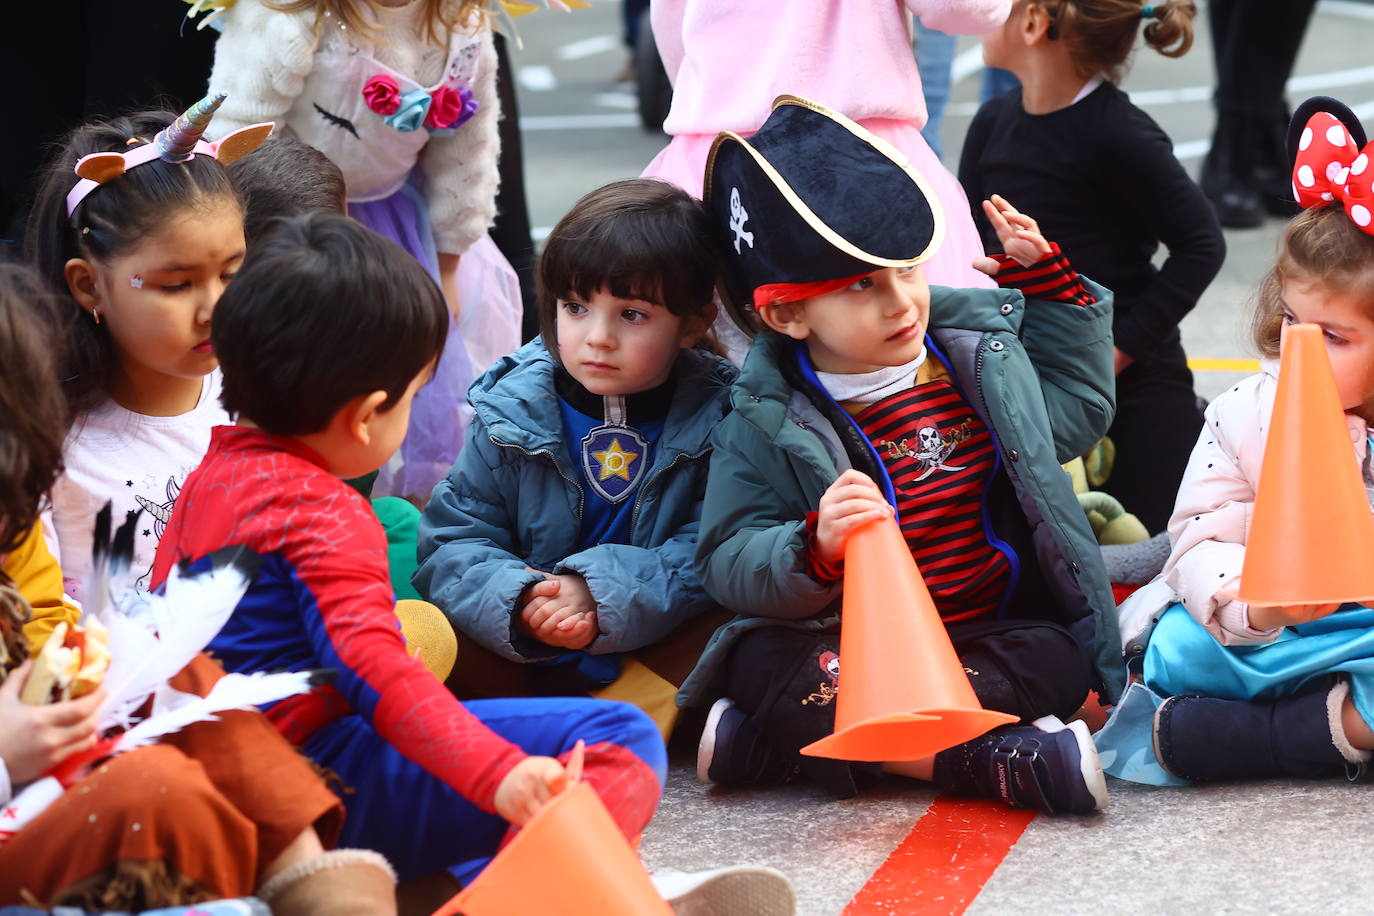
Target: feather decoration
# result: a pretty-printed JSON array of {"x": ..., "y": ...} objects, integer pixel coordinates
[
  {"x": 154, "y": 636},
  {"x": 233, "y": 691}
]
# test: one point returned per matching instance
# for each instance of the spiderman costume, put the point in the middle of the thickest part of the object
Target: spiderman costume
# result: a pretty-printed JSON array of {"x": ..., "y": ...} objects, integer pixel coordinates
[{"x": 419, "y": 770}]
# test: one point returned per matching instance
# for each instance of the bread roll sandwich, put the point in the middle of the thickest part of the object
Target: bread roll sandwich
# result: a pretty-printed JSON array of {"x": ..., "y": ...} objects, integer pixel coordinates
[{"x": 72, "y": 664}]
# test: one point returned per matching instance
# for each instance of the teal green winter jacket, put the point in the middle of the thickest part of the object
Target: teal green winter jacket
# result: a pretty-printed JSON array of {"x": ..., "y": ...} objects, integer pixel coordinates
[{"x": 1038, "y": 372}]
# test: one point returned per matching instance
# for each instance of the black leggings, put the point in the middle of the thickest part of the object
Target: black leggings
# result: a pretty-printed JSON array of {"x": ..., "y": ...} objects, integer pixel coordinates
[{"x": 784, "y": 677}]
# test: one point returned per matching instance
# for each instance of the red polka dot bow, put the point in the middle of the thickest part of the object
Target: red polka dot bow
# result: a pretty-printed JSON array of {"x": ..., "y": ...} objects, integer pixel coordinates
[{"x": 1329, "y": 166}]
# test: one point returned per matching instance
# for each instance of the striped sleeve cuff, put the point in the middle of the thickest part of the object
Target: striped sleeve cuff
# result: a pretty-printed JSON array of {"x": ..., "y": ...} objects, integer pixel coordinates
[
  {"x": 819, "y": 570},
  {"x": 1050, "y": 278}
]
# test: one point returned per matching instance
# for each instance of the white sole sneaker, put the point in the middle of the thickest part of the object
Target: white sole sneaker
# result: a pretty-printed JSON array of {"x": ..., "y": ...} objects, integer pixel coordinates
[
  {"x": 1089, "y": 765},
  {"x": 738, "y": 890},
  {"x": 706, "y": 748}
]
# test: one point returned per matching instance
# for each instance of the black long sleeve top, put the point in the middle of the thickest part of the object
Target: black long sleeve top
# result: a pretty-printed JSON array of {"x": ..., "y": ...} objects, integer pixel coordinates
[{"x": 1101, "y": 179}]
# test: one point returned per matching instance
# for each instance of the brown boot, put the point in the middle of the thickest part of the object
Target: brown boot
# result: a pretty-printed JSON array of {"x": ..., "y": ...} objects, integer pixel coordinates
[{"x": 344, "y": 882}]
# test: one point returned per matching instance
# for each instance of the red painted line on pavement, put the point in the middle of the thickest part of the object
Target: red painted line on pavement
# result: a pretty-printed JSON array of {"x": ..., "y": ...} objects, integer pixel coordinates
[{"x": 944, "y": 862}]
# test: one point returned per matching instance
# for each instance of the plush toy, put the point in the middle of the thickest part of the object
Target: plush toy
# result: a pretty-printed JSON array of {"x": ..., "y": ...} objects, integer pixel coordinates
[{"x": 1110, "y": 521}]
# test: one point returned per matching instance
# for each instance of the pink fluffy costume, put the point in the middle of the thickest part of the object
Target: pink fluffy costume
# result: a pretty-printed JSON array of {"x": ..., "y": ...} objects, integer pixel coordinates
[{"x": 728, "y": 60}]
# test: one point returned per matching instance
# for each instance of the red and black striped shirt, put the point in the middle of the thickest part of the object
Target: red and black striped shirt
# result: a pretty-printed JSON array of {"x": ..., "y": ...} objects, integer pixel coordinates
[{"x": 940, "y": 456}]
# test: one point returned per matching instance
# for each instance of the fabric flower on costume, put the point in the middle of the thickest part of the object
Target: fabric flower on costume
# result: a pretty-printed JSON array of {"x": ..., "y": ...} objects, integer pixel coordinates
[
  {"x": 451, "y": 109},
  {"x": 382, "y": 94},
  {"x": 410, "y": 114},
  {"x": 1329, "y": 166}
]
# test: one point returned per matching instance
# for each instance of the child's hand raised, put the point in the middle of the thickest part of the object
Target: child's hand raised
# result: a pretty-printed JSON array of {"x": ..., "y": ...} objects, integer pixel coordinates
[
  {"x": 1019, "y": 234},
  {"x": 852, "y": 501},
  {"x": 528, "y": 786}
]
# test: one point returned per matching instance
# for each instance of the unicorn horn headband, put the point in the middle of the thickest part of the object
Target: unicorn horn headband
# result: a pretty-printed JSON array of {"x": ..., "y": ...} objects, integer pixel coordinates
[{"x": 179, "y": 141}]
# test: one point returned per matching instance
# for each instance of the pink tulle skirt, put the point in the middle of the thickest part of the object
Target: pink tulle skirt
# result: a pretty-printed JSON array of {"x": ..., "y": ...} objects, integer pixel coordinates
[{"x": 683, "y": 162}]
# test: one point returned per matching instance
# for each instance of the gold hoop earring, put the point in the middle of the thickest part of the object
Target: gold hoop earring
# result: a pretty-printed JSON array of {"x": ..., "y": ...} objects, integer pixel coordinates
[{"x": 95, "y": 313}]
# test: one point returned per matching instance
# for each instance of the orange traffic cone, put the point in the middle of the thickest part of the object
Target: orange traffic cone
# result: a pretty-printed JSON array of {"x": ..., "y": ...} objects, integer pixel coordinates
[
  {"x": 1312, "y": 534},
  {"x": 570, "y": 859},
  {"x": 903, "y": 693}
]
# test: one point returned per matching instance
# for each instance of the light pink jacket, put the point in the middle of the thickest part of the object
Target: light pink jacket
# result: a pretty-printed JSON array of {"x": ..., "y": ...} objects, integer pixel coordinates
[
  {"x": 851, "y": 55},
  {"x": 1211, "y": 519}
]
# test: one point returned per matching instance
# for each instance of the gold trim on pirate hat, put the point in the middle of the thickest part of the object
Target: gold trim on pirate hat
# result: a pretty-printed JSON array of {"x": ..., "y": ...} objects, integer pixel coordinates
[{"x": 813, "y": 197}]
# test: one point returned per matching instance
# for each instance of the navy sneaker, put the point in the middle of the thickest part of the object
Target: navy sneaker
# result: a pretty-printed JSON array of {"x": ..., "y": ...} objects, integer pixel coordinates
[
  {"x": 733, "y": 753},
  {"x": 1205, "y": 739},
  {"x": 1046, "y": 765}
]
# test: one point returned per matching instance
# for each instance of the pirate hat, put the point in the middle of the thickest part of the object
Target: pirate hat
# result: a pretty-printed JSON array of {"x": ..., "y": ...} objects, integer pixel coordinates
[{"x": 813, "y": 198}]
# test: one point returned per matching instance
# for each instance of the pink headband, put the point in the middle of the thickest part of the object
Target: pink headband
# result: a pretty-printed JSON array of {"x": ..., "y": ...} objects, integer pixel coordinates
[{"x": 178, "y": 142}]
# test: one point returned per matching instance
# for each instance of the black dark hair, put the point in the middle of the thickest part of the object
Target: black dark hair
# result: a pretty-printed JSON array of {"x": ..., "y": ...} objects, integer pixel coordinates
[
  {"x": 107, "y": 223},
  {"x": 322, "y": 311},
  {"x": 285, "y": 177},
  {"x": 32, "y": 410},
  {"x": 639, "y": 239}
]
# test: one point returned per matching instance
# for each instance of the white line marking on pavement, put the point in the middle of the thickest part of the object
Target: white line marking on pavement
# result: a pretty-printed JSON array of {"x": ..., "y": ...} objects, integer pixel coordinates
[
  {"x": 966, "y": 64},
  {"x": 536, "y": 78},
  {"x": 588, "y": 47},
  {"x": 1347, "y": 8},
  {"x": 624, "y": 100},
  {"x": 579, "y": 122}
]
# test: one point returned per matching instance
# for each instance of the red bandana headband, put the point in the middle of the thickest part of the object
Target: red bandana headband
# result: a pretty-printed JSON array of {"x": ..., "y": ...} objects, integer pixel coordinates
[
  {"x": 1330, "y": 167},
  {"x": 778, "y": 293}
]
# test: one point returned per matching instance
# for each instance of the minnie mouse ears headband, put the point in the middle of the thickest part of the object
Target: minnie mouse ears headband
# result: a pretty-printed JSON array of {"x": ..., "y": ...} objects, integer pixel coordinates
[
  {"x": 177, "y": 142},
  {"x": 1331, "y": 161}
]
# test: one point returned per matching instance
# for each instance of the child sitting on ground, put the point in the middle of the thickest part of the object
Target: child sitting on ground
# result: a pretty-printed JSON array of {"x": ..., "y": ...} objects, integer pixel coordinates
[
  {"x": 221, "y": 808},
  {"x": 1255, "y": 692},
  {"x": 430, "y": 783},
  {"x": 563, "y": 539},
  {"x": 868, "y": 393}
]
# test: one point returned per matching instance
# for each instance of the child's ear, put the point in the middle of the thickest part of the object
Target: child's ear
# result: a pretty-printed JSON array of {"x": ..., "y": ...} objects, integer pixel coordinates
[
  {"x": 1035, "y": 24},
  {"x": 696, "y": 326},
  {"x": 81, "y": 283},
  {"x": 357, "y": 416},
  {"x": 787, "y": 318}
]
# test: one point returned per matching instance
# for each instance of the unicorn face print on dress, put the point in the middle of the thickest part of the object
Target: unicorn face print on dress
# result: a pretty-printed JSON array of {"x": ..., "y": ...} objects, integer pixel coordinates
[{"x": 373, "y": 121}]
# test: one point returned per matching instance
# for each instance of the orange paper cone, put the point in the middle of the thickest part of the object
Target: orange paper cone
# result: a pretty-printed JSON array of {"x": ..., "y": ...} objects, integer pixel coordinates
[
  {"x": 1312, "y": 535},
  {"x": 903, "y": 693},
  {"x": 569, "y": 860}
]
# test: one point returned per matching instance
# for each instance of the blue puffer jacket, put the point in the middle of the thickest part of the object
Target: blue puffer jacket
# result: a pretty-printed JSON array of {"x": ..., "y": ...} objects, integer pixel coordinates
[{"x": 514, "y": 500}]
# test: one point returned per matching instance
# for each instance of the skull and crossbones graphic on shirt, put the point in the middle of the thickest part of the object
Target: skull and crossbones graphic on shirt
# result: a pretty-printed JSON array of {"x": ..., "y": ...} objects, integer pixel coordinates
[{"x": 934, "y": 448}]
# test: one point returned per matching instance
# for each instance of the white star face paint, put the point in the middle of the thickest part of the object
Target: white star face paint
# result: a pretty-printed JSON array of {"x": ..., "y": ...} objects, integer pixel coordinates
[{"x": 136, "y": 281}]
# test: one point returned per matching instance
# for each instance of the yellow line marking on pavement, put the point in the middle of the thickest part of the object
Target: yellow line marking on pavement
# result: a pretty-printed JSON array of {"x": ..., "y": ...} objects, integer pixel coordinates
[{"x": 1224, "y": 365}]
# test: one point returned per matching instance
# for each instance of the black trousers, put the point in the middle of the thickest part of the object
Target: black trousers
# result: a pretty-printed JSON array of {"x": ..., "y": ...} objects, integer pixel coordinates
[
  {"x": 1256, "y": 44},
  {"x": 511, "y": 231},
  {"x": 1156, "y": 426},
  {"x": 785, "y": 680}
]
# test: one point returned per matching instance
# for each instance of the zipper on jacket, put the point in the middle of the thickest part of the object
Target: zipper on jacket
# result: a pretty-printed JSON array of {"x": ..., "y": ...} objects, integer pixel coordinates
[
  {"x": 644, "y": 487},
  {"x": 581, "y": 496},
  {"x": 1002, "y": 546}
]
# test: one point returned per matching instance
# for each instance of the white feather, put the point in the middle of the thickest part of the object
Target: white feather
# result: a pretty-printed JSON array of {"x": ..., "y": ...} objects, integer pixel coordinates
[
  {"x": 154, "y": 636},
  {"x": 233, "y": 691}
]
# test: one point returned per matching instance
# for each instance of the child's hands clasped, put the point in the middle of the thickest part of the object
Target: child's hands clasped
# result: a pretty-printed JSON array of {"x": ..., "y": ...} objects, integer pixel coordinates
[
  {"x": 1018, "y": 233},
  {"x": 851, "y": 502},
  {"x": 560, "y": 611},
  {"x": 528, "y": 786},
  {"x": 34, "y": 739}
]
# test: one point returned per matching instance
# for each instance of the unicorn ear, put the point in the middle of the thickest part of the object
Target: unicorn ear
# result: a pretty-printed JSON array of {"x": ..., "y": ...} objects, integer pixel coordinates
[
  {"x": 237, "y": 144},
  {"x": 101, "y": 167}
]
